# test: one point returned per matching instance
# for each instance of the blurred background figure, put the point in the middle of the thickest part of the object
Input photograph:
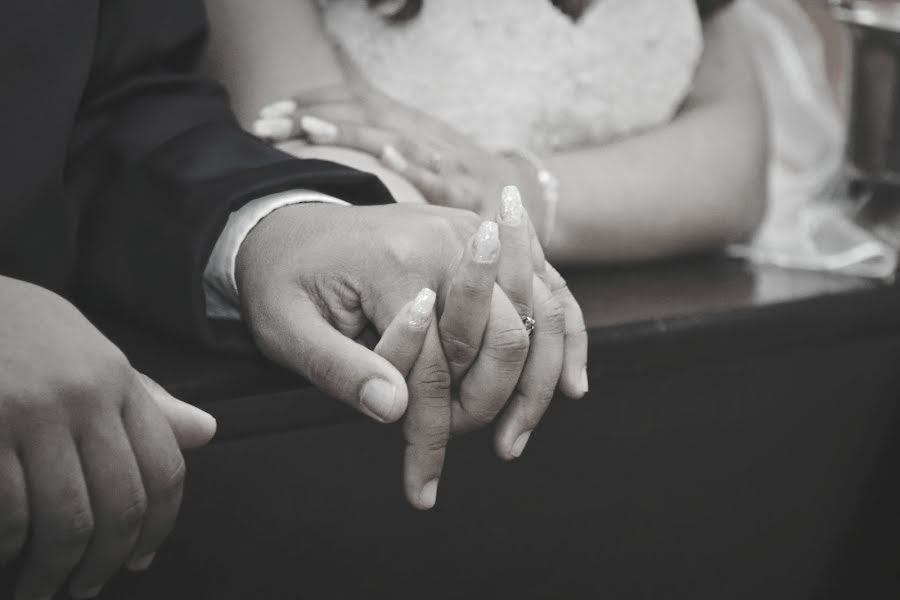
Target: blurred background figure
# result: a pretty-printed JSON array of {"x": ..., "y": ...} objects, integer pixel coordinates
[{"x": 815, "y": 220}]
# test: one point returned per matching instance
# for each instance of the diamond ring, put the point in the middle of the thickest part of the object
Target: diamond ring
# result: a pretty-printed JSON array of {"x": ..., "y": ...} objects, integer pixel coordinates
[{"x": 529, "y": 324}]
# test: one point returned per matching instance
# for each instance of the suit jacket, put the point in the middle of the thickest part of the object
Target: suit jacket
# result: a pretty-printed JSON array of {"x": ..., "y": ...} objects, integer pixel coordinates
[
  {"x": 708, "y": 7},
  {"x": 119, "y": 165}
]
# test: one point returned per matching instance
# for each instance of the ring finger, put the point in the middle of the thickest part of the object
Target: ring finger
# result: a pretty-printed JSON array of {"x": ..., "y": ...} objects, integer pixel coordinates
[
  {"x": 119, "y": 503},
  {"x": 62, "y": 520},
  {"x": 574, "y": 380},
  {"x": 162, "y": 470},
  {"x": 539, "y": 379}
]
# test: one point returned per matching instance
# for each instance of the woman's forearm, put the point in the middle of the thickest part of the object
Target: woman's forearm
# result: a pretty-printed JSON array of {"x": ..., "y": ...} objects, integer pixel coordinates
[
  {"x": 269, "y": 50},
  {"x": 697, "y": 183}
]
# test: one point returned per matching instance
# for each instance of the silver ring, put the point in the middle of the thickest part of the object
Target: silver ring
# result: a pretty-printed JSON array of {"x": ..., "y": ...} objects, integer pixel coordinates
[{"x": 529, "y": 324}]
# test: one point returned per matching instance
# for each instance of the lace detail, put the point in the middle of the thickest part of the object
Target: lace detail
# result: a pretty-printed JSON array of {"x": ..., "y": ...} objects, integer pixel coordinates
[{"x": 519, "y": 73}]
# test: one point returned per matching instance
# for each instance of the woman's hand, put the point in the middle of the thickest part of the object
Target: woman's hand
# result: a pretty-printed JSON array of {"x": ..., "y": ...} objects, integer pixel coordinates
[
  {"x": 447, "y": 167},
  {"x": 91, "y": 473},
  {"x": 362, "y": 266}
]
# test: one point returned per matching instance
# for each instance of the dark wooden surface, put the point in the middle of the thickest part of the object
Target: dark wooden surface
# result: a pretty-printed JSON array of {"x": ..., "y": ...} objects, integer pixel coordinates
[
  {"x": 741, "y": 440},
  {"x": 637, "y": 318}
]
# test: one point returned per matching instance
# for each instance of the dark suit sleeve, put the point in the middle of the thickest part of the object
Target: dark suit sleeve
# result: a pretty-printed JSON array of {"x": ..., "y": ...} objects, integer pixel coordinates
[
  {"x": 158, "y": 162},
  {"x": 708, "y": 7}
]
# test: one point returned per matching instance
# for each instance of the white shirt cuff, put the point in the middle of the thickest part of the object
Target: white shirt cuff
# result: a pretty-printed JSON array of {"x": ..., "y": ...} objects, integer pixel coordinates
[{"x": 219, "y": 285}]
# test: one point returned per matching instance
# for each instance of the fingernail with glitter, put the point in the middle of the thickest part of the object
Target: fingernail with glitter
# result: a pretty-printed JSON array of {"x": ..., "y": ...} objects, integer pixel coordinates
[
  {"x": 511, "y": 210},
  {"x": 318, "y": 130},
  {"x": 392, "y": 159},
  {"x": 486, "y": 245},
  {"x": 282, "y": 108},
  {"x": 422, "y": 309},
  {"x": 273, "y": 129}
]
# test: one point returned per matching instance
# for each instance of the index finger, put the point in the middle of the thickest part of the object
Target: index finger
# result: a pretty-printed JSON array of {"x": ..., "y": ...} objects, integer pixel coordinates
[{"x": 427, "y": 423}]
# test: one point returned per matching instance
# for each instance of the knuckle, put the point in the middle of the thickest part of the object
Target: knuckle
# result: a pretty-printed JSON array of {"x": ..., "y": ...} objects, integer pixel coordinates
[
  {"x": 558, "y": 286},
  {"x": 428, "y": 437},
  {"x": 435, "y": 445},
  {"x": 434, "y": 380},
  {"x": 474, "y": 290},
  {"x": 578, "y": 332},
  {"x": 320, "y": 369},
  {"x": 13, "y": 531},
  {"x": 481, "y": 415},
  {"x": 553, "y": 317},
  {"x": 74, "y": 528},
  {"x": 458, "y": 350},
  {"x": 171, "y": 485},
  {"x": 443, "y": 228},
  {"x": 405, "y": 250},
  {"x": 508, "y": 345},
  {"x": 101, "y": 374},
  {"x": 131, "y": 516},
  {"x": 470, "y": 220}
]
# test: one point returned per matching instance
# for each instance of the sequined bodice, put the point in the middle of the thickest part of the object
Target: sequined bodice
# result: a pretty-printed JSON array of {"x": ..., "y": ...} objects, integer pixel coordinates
[{"x": 519, "y": 73}]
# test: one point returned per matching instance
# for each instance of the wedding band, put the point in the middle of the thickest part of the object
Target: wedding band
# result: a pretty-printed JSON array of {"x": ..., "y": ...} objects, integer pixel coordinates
[{"x": 529, "y": 324}]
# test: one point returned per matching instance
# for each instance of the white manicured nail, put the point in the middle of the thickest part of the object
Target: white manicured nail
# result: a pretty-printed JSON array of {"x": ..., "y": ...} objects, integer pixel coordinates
[
  {"x": 392, "y": 159},
  {"x": 422, "y": 309},
  {"x": 486, "y": 246},
  {"x": 511, "y": 210},
  {"x": 318, "y": 131},
  {"x": 274, "y": 129},
  {"x": 141, "y": 563},
  {"x": 428, "y": 496},
  {"x": 282, "y": 108},
  {"x": 583, "y": 384},
  {"x": 518, "y": 446}
]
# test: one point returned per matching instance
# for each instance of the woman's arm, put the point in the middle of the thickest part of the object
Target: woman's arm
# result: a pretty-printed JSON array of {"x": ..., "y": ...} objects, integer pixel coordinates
[
  {"x": 265, "y": 51},
  {"x": 694, "y": 184},
  {"x": 697, "y": 183}
]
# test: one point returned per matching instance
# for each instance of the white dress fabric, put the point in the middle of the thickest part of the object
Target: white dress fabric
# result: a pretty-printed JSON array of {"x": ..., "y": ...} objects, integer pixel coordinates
[
  {"x": 521, "y": 74},
  {"x": 810, "y": 224}
]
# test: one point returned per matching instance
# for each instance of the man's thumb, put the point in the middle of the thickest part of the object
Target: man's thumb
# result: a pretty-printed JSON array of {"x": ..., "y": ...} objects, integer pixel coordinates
[{"x": 340, "y": 366}]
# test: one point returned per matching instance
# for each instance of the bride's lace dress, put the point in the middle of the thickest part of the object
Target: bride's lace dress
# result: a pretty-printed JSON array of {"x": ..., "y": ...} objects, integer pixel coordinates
[{"x": 521, "y": 74}]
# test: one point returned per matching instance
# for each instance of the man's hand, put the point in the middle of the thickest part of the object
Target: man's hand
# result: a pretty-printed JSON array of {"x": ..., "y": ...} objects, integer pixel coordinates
[
  {"x": 91, "y": 473},
  {"x": 312, "y": 277}
]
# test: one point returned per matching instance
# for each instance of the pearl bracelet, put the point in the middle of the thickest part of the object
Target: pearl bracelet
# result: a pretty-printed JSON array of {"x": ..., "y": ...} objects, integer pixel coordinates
[{"x": 549, "y": 189}]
